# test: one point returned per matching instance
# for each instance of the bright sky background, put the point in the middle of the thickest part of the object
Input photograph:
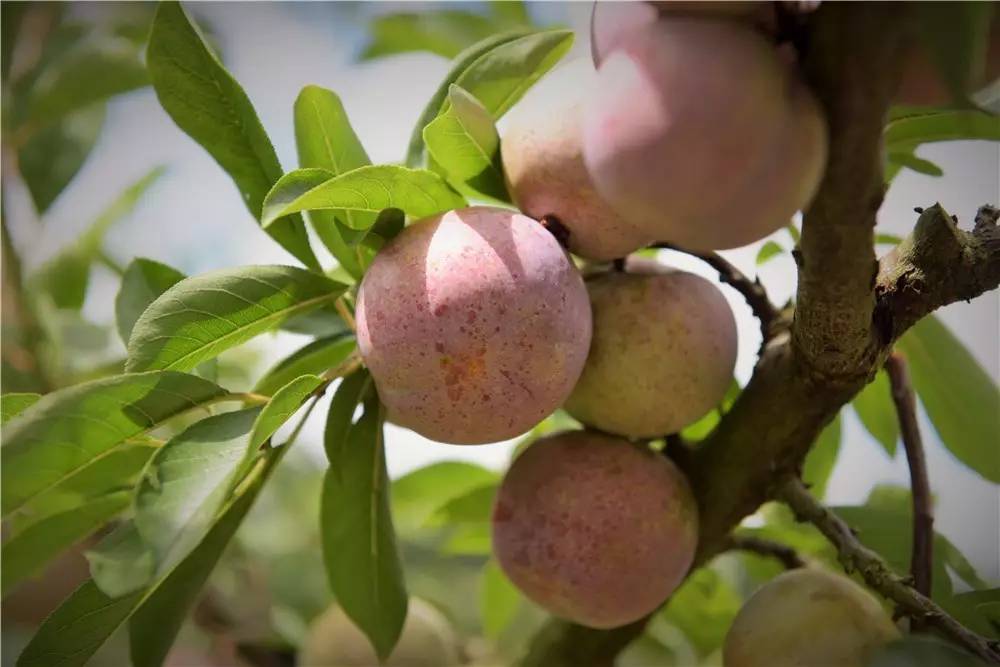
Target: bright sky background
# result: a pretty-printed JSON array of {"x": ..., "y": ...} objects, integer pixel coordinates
[{"x": 194, "y": 219}]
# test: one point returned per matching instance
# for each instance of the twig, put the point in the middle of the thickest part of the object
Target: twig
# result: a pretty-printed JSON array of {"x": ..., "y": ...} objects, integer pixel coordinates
[
  {"x": 921, "y": 558},
  {"x": 855, "y": 556},
  {"x": 345, "y": 313},
  {"x": 752, "y": 290},
  {"x": 762, "y": 547},
  {"x": 343, "y": 369}
]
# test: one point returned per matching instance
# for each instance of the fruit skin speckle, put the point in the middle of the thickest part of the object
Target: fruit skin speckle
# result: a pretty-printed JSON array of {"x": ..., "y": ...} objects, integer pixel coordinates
[
  {"x": 593, "y": 528},
  {"x": 474, "y": 324}
]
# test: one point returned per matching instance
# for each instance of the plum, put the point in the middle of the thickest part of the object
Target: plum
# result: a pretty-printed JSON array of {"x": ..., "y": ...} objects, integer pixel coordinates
[
  {"x": 542, "y": 156},
  {"x": 474, "y": 325},
  {"x": 593, "y": 528},
  {"x": 808, "y": 616},
  {"x": 662, "y": 354}
]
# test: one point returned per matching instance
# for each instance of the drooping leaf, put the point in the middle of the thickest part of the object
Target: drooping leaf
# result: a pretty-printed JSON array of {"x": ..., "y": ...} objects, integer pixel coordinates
[
  {"x": 53, "y": 155},
  {"x": 200, "y": 317},
  {"x": 144, "y": 280},
  {"x": 122, "y": 562},
  {"x": 955, "y": 38},
  {"x": 33, "y": 548},
  {"x": 417, "y": 192},
  {"x": 359, "y": 545},
  {"x": 768, "y": 251},
  {"x": 70, "y": 430},
  {"x": 822, "y": 457},
  {"x": 315, "y": 358},
  {"x": 14, "y": 404},
  {"x": 464, "y": 142},
  {"x": 213, "y": 109},
  {"x": 959, "y": 396},
  {"x": 418, "y": 495},
  {"x": 877, "y": 412},
  {"x": 445, "y": 32},
  {"x": 464, "y": 60},
  {"x": 498, "y": 600},
  {"x": 187, "y": 481},
  {"x": 66, "y": 276},
  {"x": 326, "y": 140},
  {"x": 340, "y": 416},
  {"x": 285, "y": 403}
]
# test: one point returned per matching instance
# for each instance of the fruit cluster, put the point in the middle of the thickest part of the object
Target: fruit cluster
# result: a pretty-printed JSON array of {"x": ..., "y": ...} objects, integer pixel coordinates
[{"x": 696, "y": 130}]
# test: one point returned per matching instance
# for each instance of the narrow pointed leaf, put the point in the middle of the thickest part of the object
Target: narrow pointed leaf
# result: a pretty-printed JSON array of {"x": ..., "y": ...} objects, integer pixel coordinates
[
  {"x": 768, "y": 251},
  {"x": 200, "y": 317},
  {"x": 340, "y": 416},
  {"x": 315, "y": 358},
  {"x": 822, "y": 457},
  {"x": 359, "y": 544},
  {"x": 285, "y": 403},
  {"x": 960, "y": 397},
  {"x": 876, "y": 411},
  {"x": 212, "y": 108},
  {"x": 906, "y": 133},
  {"x": 14, "y": 404},
  {"x": 143, "y": 282},
  {"x": 70, "y": 430},
  {"x": 417, "y": 192},
  {"x": 31, "y": 550}
]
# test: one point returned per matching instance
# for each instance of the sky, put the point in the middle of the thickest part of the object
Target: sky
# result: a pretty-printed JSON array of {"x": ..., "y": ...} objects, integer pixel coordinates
[{"x": 194, "y": 219}]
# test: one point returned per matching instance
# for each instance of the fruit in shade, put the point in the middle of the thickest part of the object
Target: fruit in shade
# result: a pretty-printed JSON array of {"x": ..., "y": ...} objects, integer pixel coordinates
[
  {"x": 593, "y": 528},
  {"x": 474, "y": 325},
  {"x": 427, "y": 640},
  {"x": 691, "y": 117},
  {"x": 542, "y": 155},
  {"x": 662, "y": 354},
  {"x": 808, "y": 617}
]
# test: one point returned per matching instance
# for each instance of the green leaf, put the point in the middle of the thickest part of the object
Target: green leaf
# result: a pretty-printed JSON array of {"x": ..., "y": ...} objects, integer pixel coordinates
[
  {"x": 769, "y": 251},
  {"x": 69, "y": 430},
  {"x": 200, "y": 317},
  {"x": 315, "y": 358},
  {"x": 420, "y": 494},
  {"x": 977, "y": 610},
  {"x": 475, "y": 506},
  {"x": 33, "y": 548},
  {"x": 703, "y": 608},
  {"x": 463, "y": 61},
  {"x": 12, "y": 405},
  {"x": 921, "y": 651},
  {"x": 359, "y": 544},
  {"x": 959, "y": 396},
  {"x": 445, "y": 32},
  {"x": 285, "y": 403},
  {"x": 701, "y": 428},
  {"x": 322, "y": 322},
  {"x": 97, "y": 69},
  {"x": 822, "y": 457},
  {"x": 877, "y": 412},
  {"x": 498, "y": 600},
  {"x": 339, "y": 418},
  {"x": 53, "y": 155},
  {"x": 904, "y": 134},
  {"x": 900, "y": 159},
  {"x": 417, "y": 192},
  {"x": 144, "y": 280},
  {"x": 887, "y": 239},
  {"x": 210, "y": 106},
  {"x": 464, "y": 142},
  {"x": 66, "y": 276},
  {"x": 326, "y": 140},
  {"x": 187, "y": 481},
  {"x": 955, "y": 38},
  {"x": 511, "y": 12},
  {"x": 122, "y": 562}
]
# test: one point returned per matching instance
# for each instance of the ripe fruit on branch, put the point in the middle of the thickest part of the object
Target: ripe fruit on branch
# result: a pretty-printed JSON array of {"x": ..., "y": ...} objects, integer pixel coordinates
[
  {"x": 542, "y": 155},
  {"x": 808, "y": 617},
  {"x": 474, "y": 325},
  {"x": 698, "y": 134},
  {"x": 426, "y": 641},
  {"x": 593, "y": 528},
  {"x": 662, "y": 353}
]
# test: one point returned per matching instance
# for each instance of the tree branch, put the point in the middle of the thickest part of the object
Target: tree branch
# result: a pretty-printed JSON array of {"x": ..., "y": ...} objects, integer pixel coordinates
[
  {"x": 782, "y": 552},
  {"x": 752, "y": 290},
  {"x": 856, "y": 557},
  {"x": 921, "y": 558}
]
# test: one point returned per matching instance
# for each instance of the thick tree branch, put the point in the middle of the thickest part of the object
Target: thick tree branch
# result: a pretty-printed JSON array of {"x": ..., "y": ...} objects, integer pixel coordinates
[
  {"x": 757, "y": 545},
  {"x": 856, "y": 557},
  {"x": 921, "y": 558},
  {"x": 751, "y": 290}
]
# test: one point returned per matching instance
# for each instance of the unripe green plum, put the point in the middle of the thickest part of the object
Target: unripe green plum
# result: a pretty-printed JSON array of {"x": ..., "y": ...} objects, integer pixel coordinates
[
  {"x": 689, "y": 118},
  {"x": 542, "y": 155},
  {"x": 593, "y": 528},
  {"x": 426, "y": 641},
  {"x": 474, "y": 325},
  {"x": 808, "y": 617},
  {"x": 662, "y": 353}
]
